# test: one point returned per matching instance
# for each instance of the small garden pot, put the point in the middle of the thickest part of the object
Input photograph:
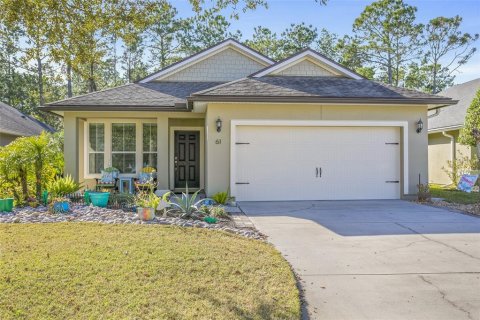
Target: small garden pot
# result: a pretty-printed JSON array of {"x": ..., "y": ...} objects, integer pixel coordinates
[
  {"x": 99, "y": 199},
  {"x": 2, "y": 205},
  {"x": 8, "y": 205},
  {"x": 61, "y": 206},
  {"x": 146, "y": 214}
]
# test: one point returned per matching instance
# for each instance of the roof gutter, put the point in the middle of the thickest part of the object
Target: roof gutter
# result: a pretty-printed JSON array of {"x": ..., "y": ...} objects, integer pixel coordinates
[
  {"x": 183, "y": 108},
  {"x": 306, "y": 99},
  {"x": 452, "y": 146}
]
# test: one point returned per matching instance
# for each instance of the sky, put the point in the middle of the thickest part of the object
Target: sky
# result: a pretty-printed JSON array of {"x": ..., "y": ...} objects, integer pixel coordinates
[{"x": 338, "y": 16}]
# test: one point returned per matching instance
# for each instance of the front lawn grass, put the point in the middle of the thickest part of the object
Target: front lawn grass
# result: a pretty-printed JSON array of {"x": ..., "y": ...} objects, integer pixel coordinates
[
  {"x": 452, "y": 195},
  {"x": 94, "y": 271}
]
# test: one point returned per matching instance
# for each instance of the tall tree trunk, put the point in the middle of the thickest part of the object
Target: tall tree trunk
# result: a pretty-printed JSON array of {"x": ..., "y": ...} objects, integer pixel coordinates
[
  {"x": 40, "y": 80},
  {"x": 69, "y": 80},
  {"x": 389, "y": 69},
  {"x": 38, "y": 178},
  {"x": 10, "y": 82},
  {"x": 23, "y": 182},
  {"x": 92, "y": 86},
  {"x": 434, "y": 82}
]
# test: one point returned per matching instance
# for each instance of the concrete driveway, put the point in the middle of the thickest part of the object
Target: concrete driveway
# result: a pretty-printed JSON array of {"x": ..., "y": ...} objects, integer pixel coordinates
[{"x": 377, "y": 259}]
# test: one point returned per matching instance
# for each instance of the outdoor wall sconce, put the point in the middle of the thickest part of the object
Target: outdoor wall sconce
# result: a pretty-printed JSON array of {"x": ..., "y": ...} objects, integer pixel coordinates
[
  {"x": 419, "y": 125},
  {"x": 219, "y": 124}
]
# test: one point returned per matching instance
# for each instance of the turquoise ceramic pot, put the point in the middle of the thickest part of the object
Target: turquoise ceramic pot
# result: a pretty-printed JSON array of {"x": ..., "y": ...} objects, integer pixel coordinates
[{"x": 99, "y": 199}]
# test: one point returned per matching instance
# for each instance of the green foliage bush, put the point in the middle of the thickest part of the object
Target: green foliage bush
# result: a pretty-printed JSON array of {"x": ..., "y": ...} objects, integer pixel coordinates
[
  {"x": 219, "y": 212},
  {"x": 462, "y": 165},
  {"x": 472, "y": 122},
  {"x": 220, "y": 197},
  {"x": 61, "y": 187},
  {"x": 28, "y": 164}
]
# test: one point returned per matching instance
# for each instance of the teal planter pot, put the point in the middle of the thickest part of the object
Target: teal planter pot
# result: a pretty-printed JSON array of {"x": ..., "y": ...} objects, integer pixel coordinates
[
  {"x": 99, "y": 199},
  {"x": 6, "y": 205}
]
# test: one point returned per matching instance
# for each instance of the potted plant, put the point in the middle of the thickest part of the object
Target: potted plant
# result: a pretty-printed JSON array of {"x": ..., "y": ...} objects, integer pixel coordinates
[
  {"x": 147, "y": 203},
  {"x": 98, "y": 199},
  {"x": 59, "y": 188},
  {"x": 114, "y": 171}
]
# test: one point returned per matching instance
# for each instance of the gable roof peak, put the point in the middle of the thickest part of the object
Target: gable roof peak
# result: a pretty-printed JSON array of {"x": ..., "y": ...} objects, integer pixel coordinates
[
  {"x": 229, "y": 42},
  {"x": 302, "y": 55}
]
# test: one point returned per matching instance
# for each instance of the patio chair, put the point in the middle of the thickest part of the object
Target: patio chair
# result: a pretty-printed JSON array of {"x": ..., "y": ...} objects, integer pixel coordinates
[
  {"x": 108, "y": 180},
  {"x": 147, "y": 176}
]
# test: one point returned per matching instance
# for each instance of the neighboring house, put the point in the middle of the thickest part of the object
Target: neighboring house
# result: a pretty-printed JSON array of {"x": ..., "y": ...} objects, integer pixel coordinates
[
  {"x": 444, "y": 127},
  {"x": 229, "y": 117},
  {"x": 14, "y": 124}
]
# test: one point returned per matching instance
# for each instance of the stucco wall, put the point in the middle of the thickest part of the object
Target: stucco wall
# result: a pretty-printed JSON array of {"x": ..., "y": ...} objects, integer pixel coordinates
[
  {"x": 75, "y": 142},
  {"x": 440, "y": 151},
  {"x": 226, "y": 65},
  {"x": 6, "y": 138},
  {"x": 218, "y": 162},
  {"x": 305, "y": 68}
]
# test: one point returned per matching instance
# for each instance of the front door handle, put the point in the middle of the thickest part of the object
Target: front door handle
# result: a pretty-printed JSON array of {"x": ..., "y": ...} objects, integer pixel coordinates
[{"x": 320, "y": 172}]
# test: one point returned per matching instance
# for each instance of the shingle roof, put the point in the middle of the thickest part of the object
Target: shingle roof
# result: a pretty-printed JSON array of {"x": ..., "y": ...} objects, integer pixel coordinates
[
  {"x": 454, "y": 116},
  {"x": 314, "y": 88},
  {"x": 138, "y": 96},
  {"x": 16, "y": 123}
]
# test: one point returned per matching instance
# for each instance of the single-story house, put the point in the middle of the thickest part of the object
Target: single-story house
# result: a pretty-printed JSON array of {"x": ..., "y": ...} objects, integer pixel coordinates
[
  {"x": 14, "y": 124},
  {"x": 444, "y": 127},
  {"x": 231, "y": 118}
]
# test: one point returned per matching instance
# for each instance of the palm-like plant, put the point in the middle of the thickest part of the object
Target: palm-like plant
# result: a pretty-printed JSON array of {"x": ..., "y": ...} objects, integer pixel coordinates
[{"x": 187, "y": 205}]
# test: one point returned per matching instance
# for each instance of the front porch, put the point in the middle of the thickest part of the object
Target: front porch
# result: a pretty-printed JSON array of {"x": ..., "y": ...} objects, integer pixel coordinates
[{"x": 173, "y": 143}]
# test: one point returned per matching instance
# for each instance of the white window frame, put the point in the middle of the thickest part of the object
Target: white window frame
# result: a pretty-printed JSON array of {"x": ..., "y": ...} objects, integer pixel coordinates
[
  {"x": 108, "y": 144},
  {"x": 149, "y": 152},
  {"x": 87, "y": 143}
]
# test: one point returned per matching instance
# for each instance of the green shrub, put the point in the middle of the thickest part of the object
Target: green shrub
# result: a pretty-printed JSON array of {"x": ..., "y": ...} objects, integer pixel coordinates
[
  {"x": 187, "y": 206},
  {"x": 60, "y": 187},
  {"x": 221, "y": 197},
  {"x": 423, "y": 192},
  {"x": 462, "y": 165},
  {"x": 28, "y": 164},
  {"x": 219, "y": 212}
]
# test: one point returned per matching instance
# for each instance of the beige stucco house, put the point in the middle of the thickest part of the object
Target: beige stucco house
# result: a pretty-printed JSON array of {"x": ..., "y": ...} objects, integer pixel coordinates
[
  {"x": 444, "y": 127},
  {"x": 229, "y": 117},
  {"x": 14, "y": 124}
]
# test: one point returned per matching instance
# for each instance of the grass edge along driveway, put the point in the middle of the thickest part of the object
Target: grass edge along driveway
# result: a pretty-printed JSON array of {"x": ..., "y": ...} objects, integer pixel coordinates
[
  {"x": 75, "y": 270},
  {"x": 452, "y": 195}
]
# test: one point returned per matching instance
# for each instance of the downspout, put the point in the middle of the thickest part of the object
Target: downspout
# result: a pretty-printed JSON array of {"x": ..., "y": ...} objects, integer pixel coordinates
[{"x": 452, "y": 145}]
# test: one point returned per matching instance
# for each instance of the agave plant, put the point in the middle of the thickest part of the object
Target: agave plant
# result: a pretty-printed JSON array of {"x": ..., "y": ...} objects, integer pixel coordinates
[{"x": 187, "y": 205}]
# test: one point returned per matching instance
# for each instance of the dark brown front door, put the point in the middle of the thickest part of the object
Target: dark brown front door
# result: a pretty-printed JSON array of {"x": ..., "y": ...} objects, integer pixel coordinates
[{"x": 187, "y": 159}]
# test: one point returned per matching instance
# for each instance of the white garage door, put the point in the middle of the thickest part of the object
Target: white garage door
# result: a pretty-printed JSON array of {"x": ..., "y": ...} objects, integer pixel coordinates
[{"x": 316, "y": 163}]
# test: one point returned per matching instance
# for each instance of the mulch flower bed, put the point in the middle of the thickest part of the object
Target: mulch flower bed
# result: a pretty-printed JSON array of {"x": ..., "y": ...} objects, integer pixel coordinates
[
  {"x": 81, "y": 213},
  {"x": 473, "y": 209}
]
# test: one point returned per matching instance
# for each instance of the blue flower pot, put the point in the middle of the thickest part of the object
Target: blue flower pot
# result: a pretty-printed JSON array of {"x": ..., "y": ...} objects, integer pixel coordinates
[
  {"x": 61, "y": 206},
  {"x": 99, "y": 199}
]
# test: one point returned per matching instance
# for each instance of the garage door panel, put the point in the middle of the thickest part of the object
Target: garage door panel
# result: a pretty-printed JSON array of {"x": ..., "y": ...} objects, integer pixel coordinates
[{"x": 280, "y": 163}]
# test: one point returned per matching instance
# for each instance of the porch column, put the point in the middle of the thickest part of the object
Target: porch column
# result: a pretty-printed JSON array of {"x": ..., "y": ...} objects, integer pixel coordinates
[
  {"x": 70, "y": 148},
  {"x": 162, "y": 151}
]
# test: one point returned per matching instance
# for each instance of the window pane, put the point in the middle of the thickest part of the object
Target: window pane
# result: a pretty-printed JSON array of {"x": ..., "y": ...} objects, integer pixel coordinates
[
  {"x": 96, "y": 137},
  {"x": 149, "y": 137},
  {"x": 150, "y": 160},
  {"x": 123, "y": 137},
  {"x": 125, "y": 162},
  {"x": 95, "y": 162}
]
